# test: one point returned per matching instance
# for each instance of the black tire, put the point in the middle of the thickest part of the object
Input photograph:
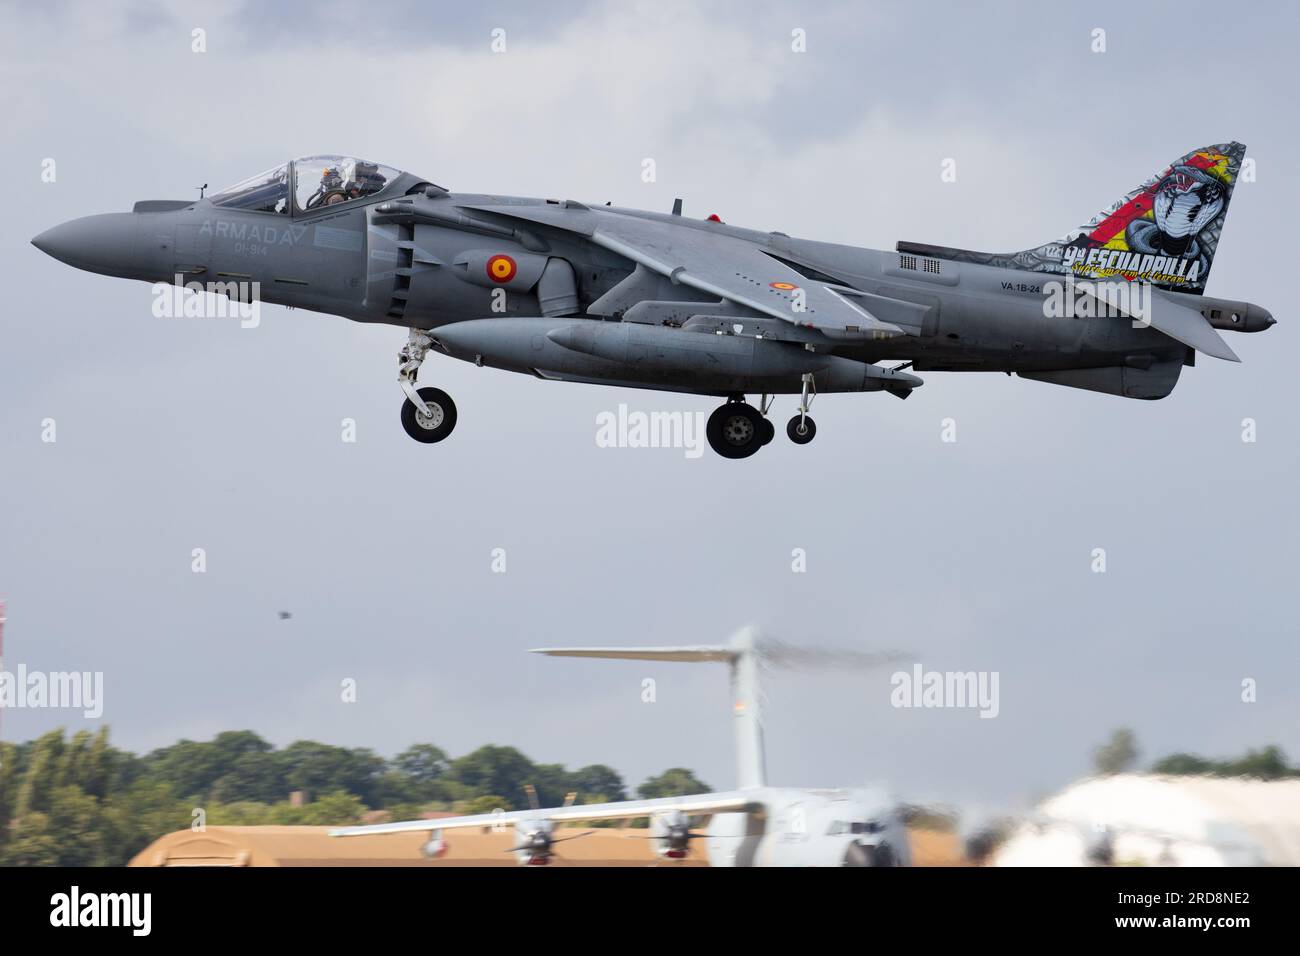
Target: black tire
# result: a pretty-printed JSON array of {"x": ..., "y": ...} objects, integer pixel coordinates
[
  {"x": 769, "y": 431},
  {"x": 809, "y": 433},
  {"x": 735, "y": 430},
  {"x": 444, "y": 420}
]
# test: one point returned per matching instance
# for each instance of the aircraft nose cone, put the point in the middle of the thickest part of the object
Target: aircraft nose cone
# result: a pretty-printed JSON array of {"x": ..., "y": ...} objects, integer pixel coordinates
[{"x": 103, "y": 244}]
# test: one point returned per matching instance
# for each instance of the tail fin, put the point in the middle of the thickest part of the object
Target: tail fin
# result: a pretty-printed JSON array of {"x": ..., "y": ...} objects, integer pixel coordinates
[
  {"x": 1164, "y": 232},
  {"x": 743, "y": 656}
]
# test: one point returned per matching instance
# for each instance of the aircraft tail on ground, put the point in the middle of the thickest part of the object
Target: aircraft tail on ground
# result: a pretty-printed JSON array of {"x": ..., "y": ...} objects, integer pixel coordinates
[
  {"x": 1164, "y": 231},
  {"x": 743, "y": 656}
]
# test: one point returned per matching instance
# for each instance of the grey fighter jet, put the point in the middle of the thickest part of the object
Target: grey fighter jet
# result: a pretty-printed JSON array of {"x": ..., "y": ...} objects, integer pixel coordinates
[
  {"x": 572, "y": 292},
  {"x": 754, "y": 825}
]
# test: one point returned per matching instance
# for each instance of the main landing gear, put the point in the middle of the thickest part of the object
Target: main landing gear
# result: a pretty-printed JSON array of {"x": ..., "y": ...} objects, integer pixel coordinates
[
  {"x": 429, "y": 414},
  {"x": 738, "y": 430}
]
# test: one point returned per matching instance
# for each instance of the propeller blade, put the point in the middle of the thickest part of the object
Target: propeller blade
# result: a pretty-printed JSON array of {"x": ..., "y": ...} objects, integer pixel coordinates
[{"x": 795, "y": 656}]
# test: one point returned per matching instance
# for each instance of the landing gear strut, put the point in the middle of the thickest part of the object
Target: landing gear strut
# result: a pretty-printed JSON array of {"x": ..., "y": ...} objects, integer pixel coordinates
[
  {"x": 428, "y": 414},
  {"x": 802, "y": 428},
  {"x": 769, "y": 430}
]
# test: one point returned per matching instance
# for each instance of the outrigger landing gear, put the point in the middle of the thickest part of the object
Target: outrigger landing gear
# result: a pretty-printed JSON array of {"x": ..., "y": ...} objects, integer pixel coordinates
[
  {"x": 737, "y": 429},
  {"x": 802, "y": 428},
  {"x": 429, "y": 414}
]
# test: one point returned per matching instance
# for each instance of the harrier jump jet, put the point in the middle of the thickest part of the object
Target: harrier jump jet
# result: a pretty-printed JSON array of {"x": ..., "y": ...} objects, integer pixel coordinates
[
  {"x": 755, "y": 825},
  {"x": 572, "y": 292}
]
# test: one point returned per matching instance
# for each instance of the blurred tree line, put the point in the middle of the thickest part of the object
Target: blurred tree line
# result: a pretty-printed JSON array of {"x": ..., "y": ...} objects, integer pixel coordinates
[
  {"x": 79, "y": 801},
  {"x": 1119, "y": 754}
]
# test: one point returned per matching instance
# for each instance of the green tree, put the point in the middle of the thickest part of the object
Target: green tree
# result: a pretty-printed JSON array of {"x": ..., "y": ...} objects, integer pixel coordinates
[
  {"x": 74, "y": 818},
  {"x": 1117, "y": 754},
  {"x": 337, "y": 808},
  {"x": 98, "y": 767},
  {"x": 597, "y": 784},
  {"x": 320, "y": 768},
  {"x": 675, "y": 782},
  {"x": 137, "y": 815},
  {"x": 253, "y": 776},
  {"x": 43, "y": 773},
  {"x": 423, "y": 763},
  {"x": 10, "y": 778},
  {"x": 488, "y": 803},
  {"x": 1268, "y": 763},
  {"x": 497, "y": 770},
  {"x": 31, "y": 843},
  {"x": 1183, "y": 764}
]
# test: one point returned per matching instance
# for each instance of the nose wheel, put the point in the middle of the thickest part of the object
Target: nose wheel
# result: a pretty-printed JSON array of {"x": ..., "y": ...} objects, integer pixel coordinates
[
  {"x": 428, "y": 414},
  {"x": 435, "y": 421}
]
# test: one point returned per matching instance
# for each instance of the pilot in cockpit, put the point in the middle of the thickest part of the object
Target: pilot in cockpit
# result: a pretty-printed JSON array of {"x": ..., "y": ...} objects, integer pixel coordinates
[{"x": 335, "y": 188}]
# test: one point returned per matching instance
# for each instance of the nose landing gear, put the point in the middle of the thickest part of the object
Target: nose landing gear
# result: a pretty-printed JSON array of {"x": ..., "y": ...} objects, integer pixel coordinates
[
  {"x": 435, "y": 421},
  {"x": 428, "y": 414}
]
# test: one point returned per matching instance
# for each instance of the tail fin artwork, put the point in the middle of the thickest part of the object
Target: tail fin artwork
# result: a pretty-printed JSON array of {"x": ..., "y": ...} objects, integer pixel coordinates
[
  {"x": 743, "y": 656},
  {"x": 1164, "y": 232}
]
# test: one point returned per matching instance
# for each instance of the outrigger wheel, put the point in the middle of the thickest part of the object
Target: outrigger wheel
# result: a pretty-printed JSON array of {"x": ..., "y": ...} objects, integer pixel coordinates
[
  {"x": 435, "y": 426},
  {"x": 801, "y": 429},
  {"x": 737, "y": 430}
]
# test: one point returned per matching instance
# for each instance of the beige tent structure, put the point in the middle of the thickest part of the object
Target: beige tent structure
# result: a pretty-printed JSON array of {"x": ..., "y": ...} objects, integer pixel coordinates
[
  {"x": 1152, "y": 820},
  {"x": 313, "y": 846}
]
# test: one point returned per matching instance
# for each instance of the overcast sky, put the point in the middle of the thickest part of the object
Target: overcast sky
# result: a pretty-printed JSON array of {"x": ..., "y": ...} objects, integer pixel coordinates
[{"x": 975, "y": 555}]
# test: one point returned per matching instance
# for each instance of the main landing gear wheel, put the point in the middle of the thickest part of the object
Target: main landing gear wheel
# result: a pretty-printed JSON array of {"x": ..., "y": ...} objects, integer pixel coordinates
[
  {"x": 735, "y": 430},
  {"x": 801, "y": 429},
  {"x": 435, "y": 426},
  {"x": 769, "y": 431}
]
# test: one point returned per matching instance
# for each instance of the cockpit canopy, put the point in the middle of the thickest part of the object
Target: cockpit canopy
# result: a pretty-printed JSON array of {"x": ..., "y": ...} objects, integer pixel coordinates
[{"x": 317, "y": 182}]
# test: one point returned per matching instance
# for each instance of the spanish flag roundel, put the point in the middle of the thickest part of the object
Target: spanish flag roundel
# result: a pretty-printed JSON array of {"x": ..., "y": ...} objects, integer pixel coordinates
[
  {"x": 501, "y": 268},
  {"x": 783, "y": 286}
]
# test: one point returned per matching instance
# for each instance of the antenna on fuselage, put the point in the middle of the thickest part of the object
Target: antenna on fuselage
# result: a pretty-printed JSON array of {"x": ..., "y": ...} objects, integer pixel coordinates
[{"x": 201, "y": 189}]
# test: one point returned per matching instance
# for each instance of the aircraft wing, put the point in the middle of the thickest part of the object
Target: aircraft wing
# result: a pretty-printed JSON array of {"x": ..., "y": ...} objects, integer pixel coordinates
[
  {"x": 702, "y": 805},
  {"x": 716, "y": 263}
]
